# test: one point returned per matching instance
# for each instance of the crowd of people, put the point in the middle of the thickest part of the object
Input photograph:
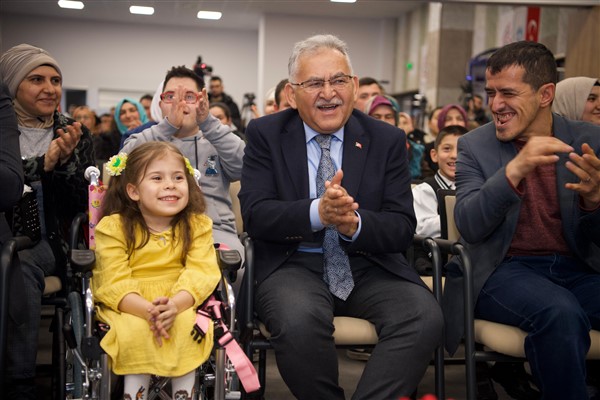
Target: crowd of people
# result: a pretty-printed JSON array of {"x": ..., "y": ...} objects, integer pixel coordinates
[{"x": 335, "y": 181}]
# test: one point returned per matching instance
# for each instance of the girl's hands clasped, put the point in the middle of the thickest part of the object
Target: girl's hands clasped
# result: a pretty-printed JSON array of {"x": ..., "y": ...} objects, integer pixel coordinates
[{"x": 162, "y": 317}]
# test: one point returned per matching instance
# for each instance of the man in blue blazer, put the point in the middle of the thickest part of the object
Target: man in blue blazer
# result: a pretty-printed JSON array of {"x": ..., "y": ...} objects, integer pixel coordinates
[
  {"x": 369, "y": 204},
  {"x": 528, "y": 208}
]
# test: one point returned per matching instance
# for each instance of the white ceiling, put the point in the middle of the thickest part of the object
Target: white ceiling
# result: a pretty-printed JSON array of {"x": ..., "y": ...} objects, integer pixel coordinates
[{"x": 237, "y": 14}]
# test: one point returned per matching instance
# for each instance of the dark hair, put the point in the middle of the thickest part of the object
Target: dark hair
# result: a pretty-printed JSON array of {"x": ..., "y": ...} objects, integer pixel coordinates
[
  {"x": 478, "y": 96},
  {"x": 433, "y": 112},
  {"x": 184, "y": 72},
  {"x": 279, "y": 89},
  {"x": 365, "y": 81},
  {"x": 117, "y": 201},
  {"x": 223, "y": 107},
  {"x": 456, "y": 130},
  {"x": 216, "y": 78},
  {"x": 535, "y": 58},
  {"x": 147, "y": 96}
]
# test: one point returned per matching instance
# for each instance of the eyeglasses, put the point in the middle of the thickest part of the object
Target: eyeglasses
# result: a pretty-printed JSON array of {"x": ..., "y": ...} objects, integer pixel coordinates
[
  {"x": 313, "y": 85},
  {"x": 189, "y": 97}
]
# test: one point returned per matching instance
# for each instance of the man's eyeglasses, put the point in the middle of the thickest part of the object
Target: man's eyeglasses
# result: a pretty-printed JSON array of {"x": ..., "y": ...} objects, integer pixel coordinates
[
  {"x": 189, "y": 97},
  {"x": 314, "y": 85}
]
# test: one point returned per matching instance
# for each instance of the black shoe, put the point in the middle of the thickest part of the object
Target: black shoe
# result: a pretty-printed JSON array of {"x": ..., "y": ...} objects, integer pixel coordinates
[
  {"x": 21, "y": 389},
  {"x": 484, "y": 385},
  {"x": 515, "y": 380}
]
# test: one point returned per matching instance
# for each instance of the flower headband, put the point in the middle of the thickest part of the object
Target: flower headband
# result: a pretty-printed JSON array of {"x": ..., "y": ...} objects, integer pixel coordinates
[{"x": 117, "y": 163}]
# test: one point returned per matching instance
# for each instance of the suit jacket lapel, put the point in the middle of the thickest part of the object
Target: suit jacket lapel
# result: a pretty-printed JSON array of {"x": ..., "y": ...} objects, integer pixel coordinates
[
  {"x": 356, "y": 148},
  {"x": 566, "y": 198},
  {"x": 296, "y": 161}
]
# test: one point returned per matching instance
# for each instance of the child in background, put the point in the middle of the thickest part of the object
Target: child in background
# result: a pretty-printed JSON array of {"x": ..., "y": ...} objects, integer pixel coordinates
[
  {"x": 425, "y": 194},
  {"x": 155, "y": 263}
]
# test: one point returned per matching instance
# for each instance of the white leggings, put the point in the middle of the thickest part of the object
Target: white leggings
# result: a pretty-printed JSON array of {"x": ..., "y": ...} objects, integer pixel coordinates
[{"x": 137, "y": 386}]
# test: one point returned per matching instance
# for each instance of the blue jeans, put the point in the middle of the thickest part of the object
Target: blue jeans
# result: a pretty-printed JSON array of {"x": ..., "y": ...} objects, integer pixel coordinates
[{"x": 556, "y": 299}]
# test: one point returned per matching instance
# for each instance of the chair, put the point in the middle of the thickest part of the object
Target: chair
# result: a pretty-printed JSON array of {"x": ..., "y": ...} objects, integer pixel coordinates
[
  {"x": 349, "y": 331},
  {"x": 52, "y": 296},
  {"x": 485, "y": 340},
  {"x": 90, "y": 365},
  {"x": 234, "y": 189}
]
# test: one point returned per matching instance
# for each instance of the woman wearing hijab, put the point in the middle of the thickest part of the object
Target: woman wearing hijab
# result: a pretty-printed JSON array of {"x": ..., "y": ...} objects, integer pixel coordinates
[
  {"x": 129, "y": 114},
  {"x": 55, "y": 151},
  {"x": 578, "y": 99}
]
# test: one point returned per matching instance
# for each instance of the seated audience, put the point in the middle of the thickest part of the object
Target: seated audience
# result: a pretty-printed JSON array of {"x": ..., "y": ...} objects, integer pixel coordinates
[
  {"x": 146, "y": 102},
  {"x": 367, "y": 88},
  {"x": 428, "y": 167},
  {"x": 386, "y": 109},
  {"x": 55, "y": 152},
  {"x": 129, "y": 114},
  {"x": 425, "y": 198},
  {"x": 211, "y": 147},
  {"x": 476, "y": 114},
  {"x": 528, "y": 210},
  {"x": 155, "y": 264},
  {"x": 217, "y": 94},
  {"x": 452, "y": 114},
  {"x": 281, "y": 102},
  {"x": 330, "y": 243},
  {"x": 221, "y": 112},
  {"x": 578, "y": 99}
]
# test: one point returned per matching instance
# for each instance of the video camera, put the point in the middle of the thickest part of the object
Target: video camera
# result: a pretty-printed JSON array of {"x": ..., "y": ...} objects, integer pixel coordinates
[
  {"x": 201, "y": 69},
  {"x": 249, "y": 99}
]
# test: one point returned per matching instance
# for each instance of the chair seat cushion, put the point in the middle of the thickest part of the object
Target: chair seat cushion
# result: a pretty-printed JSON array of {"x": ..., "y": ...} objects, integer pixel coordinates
[
  {"x": 52, "y": 285},
  {"x": 348, "y": 331},
  {"x": 510, "y": 340}
]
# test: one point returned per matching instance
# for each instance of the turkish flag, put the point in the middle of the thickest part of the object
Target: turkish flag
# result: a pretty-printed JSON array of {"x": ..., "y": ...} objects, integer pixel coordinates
[{"x": 532, "y": 28}]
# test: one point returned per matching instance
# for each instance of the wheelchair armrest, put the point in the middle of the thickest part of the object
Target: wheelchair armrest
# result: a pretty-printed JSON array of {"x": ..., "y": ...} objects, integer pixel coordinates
[
  {"x": 229, "y": 260},
  {"x": 82, "y": 260},
  {"x": 76, "y": 230},
  {"x": 248, "y": 282}
]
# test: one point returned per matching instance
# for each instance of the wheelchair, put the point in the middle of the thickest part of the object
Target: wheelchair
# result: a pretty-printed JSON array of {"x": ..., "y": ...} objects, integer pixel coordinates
[{"x": 88, "y": 373}]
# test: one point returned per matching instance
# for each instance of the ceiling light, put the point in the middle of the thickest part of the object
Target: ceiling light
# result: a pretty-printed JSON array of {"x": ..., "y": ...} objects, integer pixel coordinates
[
  {"x": 343, "y": 1},
  {"x": 75, "y": 5},
  {"x": 209, "y": 15},
  {"x": 141, "y": 10}
]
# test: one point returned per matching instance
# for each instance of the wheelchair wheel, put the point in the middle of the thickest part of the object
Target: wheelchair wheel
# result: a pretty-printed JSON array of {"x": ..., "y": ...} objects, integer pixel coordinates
[{"x": 76, "y": 318}]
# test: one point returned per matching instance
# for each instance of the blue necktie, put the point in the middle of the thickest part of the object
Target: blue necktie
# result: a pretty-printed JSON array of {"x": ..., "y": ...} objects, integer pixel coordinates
[{"x": 337, "y": 273}]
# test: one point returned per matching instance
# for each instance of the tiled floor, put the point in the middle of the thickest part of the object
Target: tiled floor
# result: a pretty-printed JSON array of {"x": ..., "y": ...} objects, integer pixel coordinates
[{"x": 350, "y": 371}]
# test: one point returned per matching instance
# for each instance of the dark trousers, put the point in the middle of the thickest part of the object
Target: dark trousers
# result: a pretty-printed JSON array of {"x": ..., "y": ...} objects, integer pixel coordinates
[
  {"x": 556, "y": 299},
  {"x": 298, "y": 309},
  {"x": 36, "y": 263}
]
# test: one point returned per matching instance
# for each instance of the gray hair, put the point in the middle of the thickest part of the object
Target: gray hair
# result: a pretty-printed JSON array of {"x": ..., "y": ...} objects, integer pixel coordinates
[{"x": 312, "y": 45}]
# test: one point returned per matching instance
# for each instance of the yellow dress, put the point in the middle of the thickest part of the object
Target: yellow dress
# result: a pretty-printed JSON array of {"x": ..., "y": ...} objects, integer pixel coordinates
[{"x": 152, "y": 271}]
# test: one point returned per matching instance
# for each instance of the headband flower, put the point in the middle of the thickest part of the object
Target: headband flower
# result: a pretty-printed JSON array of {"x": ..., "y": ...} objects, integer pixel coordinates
[
  {"x": 188, "y": 165},
  {"x": 116, "y": 164}
]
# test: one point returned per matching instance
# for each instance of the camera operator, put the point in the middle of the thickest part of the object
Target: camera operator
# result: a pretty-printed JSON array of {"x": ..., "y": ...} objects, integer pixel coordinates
[{"x": 217, "y": 94}]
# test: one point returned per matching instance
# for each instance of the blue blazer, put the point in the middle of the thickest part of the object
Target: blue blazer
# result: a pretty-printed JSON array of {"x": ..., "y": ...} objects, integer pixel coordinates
[
  {"x": 487, "y": 210},
  {"x": 275, "y": 191}
]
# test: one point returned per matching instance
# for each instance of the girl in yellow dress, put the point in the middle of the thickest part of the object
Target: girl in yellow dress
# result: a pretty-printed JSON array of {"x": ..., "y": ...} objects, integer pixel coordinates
[{"x": 155, "y": 263}]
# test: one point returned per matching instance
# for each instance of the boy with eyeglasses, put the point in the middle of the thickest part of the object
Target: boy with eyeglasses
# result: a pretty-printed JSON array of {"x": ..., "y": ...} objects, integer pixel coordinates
[{"x": 211, "y": 147}]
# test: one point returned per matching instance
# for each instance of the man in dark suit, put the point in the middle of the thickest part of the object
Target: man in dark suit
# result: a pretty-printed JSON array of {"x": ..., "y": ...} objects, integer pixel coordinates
[
  {"x": 356, "y": 224},
  {"x": 528, "y": 208}
]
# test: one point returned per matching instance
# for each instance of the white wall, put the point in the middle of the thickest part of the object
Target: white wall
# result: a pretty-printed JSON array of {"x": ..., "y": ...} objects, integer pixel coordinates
[
  {"x": 100, "y": 56},
  {"x": 134, "y": 58},
  {"x": 371, "y": 44}
]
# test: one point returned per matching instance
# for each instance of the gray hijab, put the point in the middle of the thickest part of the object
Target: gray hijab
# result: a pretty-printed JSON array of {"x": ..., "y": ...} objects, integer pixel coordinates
[{"x": 571, "y": 96}]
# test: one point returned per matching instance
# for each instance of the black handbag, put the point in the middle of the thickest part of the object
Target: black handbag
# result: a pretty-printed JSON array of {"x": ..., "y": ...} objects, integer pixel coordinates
[{"x": 26, "y": 217}]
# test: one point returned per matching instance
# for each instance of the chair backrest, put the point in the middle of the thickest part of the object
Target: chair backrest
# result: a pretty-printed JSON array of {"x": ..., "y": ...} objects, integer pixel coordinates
[
  {"x": 234, "y": 189},
  {"x": 447, "y": 201}
]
